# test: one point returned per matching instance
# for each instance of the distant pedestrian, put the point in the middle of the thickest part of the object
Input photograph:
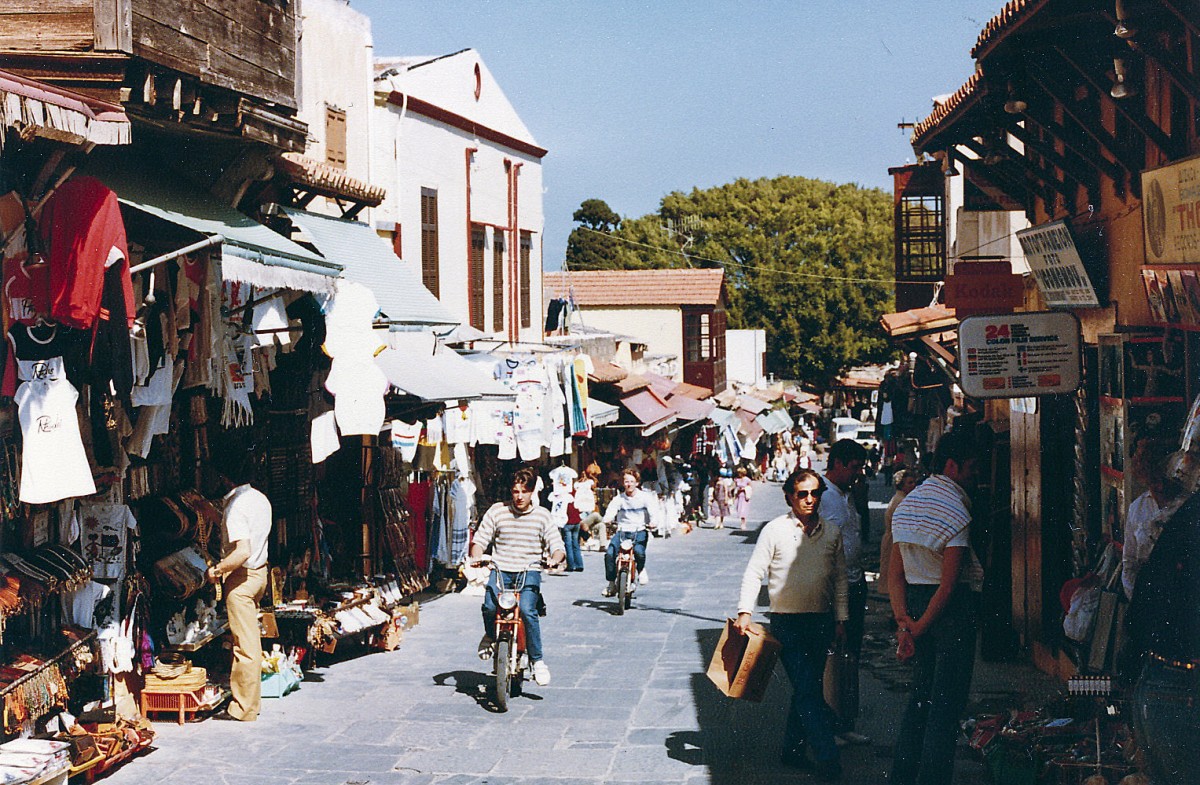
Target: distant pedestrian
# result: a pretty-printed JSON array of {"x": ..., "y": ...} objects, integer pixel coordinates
[
  {"x": 934, "y": 579},
  {"x": 722, "y": 496},
  {"x": 801, "y": 557},
  {"x": 741, "y": 495}
]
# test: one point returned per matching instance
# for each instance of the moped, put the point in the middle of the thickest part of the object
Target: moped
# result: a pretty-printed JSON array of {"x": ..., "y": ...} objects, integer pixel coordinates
[
  {"x": 626, "y": 576},
  {"x": 510, "y": 662}
]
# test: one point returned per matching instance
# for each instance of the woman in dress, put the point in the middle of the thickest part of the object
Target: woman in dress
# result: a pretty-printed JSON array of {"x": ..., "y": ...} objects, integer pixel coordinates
[{"x": 742, "y": 495}]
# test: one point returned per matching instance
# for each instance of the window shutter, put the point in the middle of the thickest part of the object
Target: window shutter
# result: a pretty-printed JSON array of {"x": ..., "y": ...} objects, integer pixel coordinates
[
  {"x": 475, "y": 301},
  {"x": 335, "y": 137},
  {"x": 497, "y": 280},
  {"x": 526, "y": 275},
  {"x": 430, "y": 273}
]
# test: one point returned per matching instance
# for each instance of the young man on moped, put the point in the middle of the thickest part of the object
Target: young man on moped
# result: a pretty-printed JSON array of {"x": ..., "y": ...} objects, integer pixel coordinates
[
  {"x": 519, "y": 533},
  {"x": 636, "y": 513}
]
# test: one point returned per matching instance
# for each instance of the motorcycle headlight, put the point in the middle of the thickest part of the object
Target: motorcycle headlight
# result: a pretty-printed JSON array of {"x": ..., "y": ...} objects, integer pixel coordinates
[
  {"x": 508, "y": 600},
  {"x": 627, "y": 545}
]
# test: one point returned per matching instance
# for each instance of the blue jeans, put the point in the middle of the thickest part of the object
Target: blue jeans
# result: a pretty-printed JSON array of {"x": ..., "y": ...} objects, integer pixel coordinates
[
  {"x": 942, "y": 666},
  {"x": 1166, "y": 720},
  {"x": 805, "y": 639},
  {"x": 640, "y": 538},
  {"x": 528, "y": 601},
  {"x": 570, "y": 535}
]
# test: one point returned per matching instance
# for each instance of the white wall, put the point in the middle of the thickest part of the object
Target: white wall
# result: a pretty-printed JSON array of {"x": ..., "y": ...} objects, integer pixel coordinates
[
  {"x": 336, "y": 69},
  {"x": 412, "y": 152},
  {"x": 981, "y": 233},
  {"x": 661, "y": 329},
  {"x": 744, "y": 353}
]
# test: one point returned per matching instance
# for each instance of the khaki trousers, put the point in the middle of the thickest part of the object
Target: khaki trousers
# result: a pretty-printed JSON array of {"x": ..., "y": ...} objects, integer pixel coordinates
[{"x": 244, "y": 589}]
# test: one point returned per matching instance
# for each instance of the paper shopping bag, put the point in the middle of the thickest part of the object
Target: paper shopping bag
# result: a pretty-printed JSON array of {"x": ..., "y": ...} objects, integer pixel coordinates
[{"x": 742, "y": 665}]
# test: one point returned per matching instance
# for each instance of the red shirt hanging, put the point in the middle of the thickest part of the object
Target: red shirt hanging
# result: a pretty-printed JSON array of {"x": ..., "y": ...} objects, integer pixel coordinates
[{"x": 83, "y": 235}]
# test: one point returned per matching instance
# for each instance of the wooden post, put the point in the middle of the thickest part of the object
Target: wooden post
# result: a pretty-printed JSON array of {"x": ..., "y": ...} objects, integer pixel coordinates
[{"x": 365, "y": 506}]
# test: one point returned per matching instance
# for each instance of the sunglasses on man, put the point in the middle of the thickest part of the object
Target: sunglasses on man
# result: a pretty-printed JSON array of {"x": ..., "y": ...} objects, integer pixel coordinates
[{"x": 816, "y": 494}]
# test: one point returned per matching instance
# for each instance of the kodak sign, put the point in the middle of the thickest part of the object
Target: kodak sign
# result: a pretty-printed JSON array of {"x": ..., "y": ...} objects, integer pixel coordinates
[{"x": 984, "y": 288}]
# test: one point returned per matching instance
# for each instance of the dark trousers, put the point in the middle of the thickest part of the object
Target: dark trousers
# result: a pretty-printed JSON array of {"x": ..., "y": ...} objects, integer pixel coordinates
[
  {"x": 529, "y": 608},
  {"x": 805, "y": 639},
  {"x": 640, "y": 538},
  {"x": 570, "y": 535},
  {"x": 942, "y": 666},
  {"x": 1166, "y": 720}
]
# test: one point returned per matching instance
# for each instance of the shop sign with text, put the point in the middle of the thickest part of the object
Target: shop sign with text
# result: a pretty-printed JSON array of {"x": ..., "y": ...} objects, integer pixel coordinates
[
  {"x": 1056, "y": 266},
  {"x": 1171, "y": 212},
  {"x": 1019, "y": 355}
]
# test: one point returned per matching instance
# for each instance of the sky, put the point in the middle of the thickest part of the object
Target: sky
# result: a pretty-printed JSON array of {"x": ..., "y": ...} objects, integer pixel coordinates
[{"x": 635, "y": 100}]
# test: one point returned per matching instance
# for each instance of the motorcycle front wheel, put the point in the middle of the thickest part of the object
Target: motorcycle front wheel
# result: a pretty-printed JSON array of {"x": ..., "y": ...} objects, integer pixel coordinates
[
  {"x": 502, "y": 674},
  {"x": 622, "y": 591}
]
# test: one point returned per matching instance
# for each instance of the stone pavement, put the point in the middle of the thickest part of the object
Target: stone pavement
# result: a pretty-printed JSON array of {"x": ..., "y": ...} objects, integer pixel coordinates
[{"x": 628, "y": 702}]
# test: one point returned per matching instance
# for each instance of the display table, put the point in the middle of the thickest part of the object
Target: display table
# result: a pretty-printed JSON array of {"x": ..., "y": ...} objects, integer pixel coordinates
[{"x": 185, "y": 703}]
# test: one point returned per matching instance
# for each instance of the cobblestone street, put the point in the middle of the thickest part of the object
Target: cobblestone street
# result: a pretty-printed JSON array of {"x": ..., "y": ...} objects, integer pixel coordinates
[{"x": 628, "y": 702}]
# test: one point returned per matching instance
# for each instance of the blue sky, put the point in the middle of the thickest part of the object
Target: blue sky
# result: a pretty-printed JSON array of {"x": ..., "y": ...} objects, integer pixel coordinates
[{"x": 637, "y": 99}]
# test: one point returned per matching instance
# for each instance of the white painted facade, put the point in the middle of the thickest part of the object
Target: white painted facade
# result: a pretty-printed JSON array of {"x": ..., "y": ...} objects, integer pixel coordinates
[
  {"x": 981, "y": 233},
  {"x": 484, "y": 166},
  {"x": 745, "y": 351},
  {"x": 660, "y": 329},
  {"x": 335, "y": 65}
]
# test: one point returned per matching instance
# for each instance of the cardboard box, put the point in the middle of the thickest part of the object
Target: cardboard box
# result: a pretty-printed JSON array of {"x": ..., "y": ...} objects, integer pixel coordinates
[
  {"x": 410, "y": 615},
  {"x": 742, "y": 665}
]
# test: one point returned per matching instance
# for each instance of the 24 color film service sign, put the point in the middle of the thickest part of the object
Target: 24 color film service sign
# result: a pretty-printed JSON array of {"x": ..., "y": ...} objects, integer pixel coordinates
[{"x": 1019, "y": 355}]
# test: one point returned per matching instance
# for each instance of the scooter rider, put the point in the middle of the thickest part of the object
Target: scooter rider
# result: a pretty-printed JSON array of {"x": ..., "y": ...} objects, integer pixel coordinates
[
  {"x": 518, "y": 533},
  {"x": 636, "y": 512}
]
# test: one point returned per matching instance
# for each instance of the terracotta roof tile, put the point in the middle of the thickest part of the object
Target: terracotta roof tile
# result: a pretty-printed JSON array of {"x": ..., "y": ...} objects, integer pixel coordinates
[
  {"x": 918, "y": 320},
  {"x": 603, "y": 372},
  {"x": 1014, "y": 13},
  {"x": 636, "y": 287},
  {"x": 946, "y": 108},
  {"x": 328, "y": 180}
]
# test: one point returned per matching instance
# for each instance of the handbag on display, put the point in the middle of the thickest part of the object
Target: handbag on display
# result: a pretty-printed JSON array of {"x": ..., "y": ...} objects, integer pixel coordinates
[{"x": 182, "y": 573}]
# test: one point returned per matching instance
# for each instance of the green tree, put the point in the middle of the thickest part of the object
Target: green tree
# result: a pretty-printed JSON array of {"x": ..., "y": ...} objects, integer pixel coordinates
[
  {"x": 591, "y": 245},
  {"x": 806, "y": 260}
]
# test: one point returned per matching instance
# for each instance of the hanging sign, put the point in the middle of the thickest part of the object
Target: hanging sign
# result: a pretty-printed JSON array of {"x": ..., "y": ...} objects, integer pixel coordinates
[
  {"x": 1057, "y": 267},
  {"x": 1019, "y": 355},
  {"x": 1171, "y": 212}
]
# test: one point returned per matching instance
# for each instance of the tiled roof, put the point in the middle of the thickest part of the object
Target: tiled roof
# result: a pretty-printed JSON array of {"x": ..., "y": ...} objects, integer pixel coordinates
[
  {"x": 636, "y": 287},
  {"x": 607, "y": 372},
  {"x": 945, "y": 108},
  {"x": 328, "y": 180},
  {"x": 1013, "y": 13},
  {"x": 918, "y": 320}
]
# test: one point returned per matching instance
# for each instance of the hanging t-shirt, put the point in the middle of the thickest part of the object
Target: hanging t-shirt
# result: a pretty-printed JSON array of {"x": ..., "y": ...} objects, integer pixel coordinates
[
  {"x": 457, "y": 422},
  {"x": 105, "y": 535},
  {"x": 358, "y": 386},
  {"x": 54, "y": 465},
  {"x": 323, "y": 438},
  {"x": 26, "y": 289},
  {"x": 79, "y": 606},
  {"x": 405, "y": 437}
]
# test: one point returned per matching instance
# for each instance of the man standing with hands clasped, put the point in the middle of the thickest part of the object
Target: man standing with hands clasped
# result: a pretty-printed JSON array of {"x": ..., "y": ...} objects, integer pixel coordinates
[
  {"x": 801, "y": 557},
  {"x": 245, "y": 528},
  {"x": 933, "y": 582}
]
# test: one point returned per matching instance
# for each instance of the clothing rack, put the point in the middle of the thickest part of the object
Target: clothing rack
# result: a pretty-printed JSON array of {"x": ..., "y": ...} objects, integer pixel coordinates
[{"x": 52, "y": 661}]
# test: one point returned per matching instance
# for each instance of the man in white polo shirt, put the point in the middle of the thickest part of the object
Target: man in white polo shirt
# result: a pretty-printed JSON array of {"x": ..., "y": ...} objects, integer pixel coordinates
[
  {"x": 245, "y": 528},
  {"x": 801, "y": 557}
]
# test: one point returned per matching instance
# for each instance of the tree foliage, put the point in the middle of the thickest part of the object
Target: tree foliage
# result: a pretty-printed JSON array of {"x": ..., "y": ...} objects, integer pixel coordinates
[{"x": 808, "y": 261}]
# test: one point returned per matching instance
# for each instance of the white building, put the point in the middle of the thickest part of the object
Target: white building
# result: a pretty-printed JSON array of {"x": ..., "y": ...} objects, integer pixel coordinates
[
  {"x": 745, "y": 358},
  {"x": 464, "y": 189}
]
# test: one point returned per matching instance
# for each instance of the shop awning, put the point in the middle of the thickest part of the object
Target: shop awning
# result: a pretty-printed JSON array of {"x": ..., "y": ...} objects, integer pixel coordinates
[
  {"x": 440, "y": 376},
  {"x": 690, "y": 410},
  {"x": 250, "y": 251},
  {"x": 775, "y": 421},
  {"x": 917, "y": 321},
  {"x": 752, "y": 405},
  {"x": 648, "y": 409},
  {"x": 370, "y": 261},
  {"x": 722, "y": 417},
  {"x": 601, "y": 413},
  {"x": 58, "y": 114}
]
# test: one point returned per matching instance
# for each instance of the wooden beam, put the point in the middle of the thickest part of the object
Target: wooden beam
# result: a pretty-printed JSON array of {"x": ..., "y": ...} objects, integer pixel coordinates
[
  {"x": 1189, "y": 21},
  {"x": 1016, "y": 189},
  {"x": 1178, "y": 74},
  {"x": 1089, "y": 128},
  {"x": 1087, "y": 179},
  {"x": 1138, "y": 119},
  {"x": 1039, "y": 172},
  {"x": 1076, "y": 143}
]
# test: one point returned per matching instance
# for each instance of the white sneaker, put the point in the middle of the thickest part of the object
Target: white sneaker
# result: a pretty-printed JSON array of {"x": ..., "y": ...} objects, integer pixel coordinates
[
  {"x": 541, "y": 673},
  {"x": 854, "y": 737},
  {"x": 610, "y": 590},
  {"x": 486, "y": 645},
  {"x": 643, "y": 578}
]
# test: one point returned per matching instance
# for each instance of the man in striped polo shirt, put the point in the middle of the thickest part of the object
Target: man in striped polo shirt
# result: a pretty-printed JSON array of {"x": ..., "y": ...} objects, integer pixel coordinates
[
  {"x": 518, "y": 534},
  {"x": 933, "y": 580}
]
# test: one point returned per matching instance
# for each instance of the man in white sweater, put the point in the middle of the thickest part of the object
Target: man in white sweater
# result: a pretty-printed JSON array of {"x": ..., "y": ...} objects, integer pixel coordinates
[{"x": 802, "y": 559}]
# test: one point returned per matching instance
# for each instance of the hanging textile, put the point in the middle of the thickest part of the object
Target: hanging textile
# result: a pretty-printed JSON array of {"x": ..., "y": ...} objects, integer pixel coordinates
[
  {"x": 397, "y": 534},
  {"x": 418, "y": 521}
]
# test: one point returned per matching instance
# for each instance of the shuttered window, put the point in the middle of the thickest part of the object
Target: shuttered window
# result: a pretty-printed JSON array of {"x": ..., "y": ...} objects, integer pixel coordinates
[
  {"x": 475, "y": 287},
  {"x": 335, "y": 137},
  {"x": 526, "y": 253},
  {"x": 497, "y": 280},
  {"x": 429, "y": 241}
]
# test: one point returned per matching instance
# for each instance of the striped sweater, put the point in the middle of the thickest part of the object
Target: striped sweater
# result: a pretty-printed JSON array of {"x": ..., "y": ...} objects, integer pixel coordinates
[
  {"x": 934, "y": 516},
  {"x": 517, "y": 539}
]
